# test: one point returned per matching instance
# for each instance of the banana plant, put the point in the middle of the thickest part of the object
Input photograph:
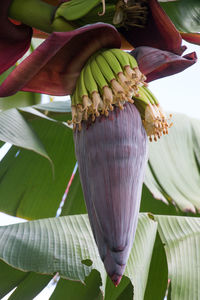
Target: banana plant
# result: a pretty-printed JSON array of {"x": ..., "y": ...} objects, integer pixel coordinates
[{"x": 113, "y": 112}]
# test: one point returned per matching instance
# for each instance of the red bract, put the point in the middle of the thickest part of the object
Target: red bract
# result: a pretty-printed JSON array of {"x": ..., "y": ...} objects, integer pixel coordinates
[
  {"x": 54, "y": 66},
  {"x": 193, "y": 38},
  {"x": 14, "y": 39},
  {"x": 155, "y": 63},
  {"x": 112, "y": 156},
  {"x": 159, "y": 32}
]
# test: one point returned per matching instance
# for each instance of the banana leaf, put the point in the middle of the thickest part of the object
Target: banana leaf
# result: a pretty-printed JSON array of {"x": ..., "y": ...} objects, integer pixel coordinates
[
  {"x": 64, "y": 245},
  {"x": 173, "y": 168},
  {"x": 29, "y": 189},
  {"x": 67, "y": 244},
  {"x": 184, "y": 14}
]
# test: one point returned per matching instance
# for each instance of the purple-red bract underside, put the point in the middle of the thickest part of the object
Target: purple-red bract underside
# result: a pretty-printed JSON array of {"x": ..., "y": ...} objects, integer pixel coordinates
[
  {"x": 193, "y": 38},
  {"x": 55, "y": 65},
  {"x": 14, "y": 39},
  {"x": 112, "y": 156}
]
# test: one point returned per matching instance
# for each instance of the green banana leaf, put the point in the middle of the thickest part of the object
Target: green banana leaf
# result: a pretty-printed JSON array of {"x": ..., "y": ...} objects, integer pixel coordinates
[
  {"x": 173, "y": 168},
  {"x": 184, "y": 14},
  {"x": 63, "y": 244},
  {"x": 58, "y": 110},
  {"x": 15, "y": 130},
  {"x": 55, "y": 106},
  {"x": 66, "y": 242},
  {"x": 1, "y": 143},
  {"x": 28, "y": 187},
  {"x": 30, "y": 287},
  {"x": 181, "y": 239},
  {"x": 157, "y": 274},
  {"x": 68, "y": 290},
  {"x": 20, "y": 99},
  {"x": 74, "y": 203}
]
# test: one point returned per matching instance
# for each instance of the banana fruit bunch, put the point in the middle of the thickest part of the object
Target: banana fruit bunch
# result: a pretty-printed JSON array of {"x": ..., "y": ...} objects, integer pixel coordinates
[
  {"x": 154, "y": 119},
  {"x": 109, "y": 78}
]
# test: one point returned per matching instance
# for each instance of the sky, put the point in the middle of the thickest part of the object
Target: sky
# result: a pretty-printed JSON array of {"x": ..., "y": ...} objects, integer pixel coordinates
[{"x": 177, "y": 93}]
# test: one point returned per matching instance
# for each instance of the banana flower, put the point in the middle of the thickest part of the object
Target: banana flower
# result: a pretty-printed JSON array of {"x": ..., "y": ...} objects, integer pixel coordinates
[{"x": 110, "y": 133}]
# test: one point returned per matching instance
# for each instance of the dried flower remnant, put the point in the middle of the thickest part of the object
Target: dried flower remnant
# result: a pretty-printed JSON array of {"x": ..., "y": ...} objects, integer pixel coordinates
[{"x": 131, "y": 13}]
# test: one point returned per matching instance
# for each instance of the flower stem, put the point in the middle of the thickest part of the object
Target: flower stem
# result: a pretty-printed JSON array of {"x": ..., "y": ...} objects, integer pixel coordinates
[{"x": 37, "y": 14}]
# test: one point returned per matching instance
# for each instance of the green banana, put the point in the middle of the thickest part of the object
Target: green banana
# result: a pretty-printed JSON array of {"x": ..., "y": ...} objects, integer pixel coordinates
[
  {"x": 93, "y": 90},
  {"x": 151, "y": 95},
  {"x": 109, "y": 75},
  {"x": 83, "y": 94},
  {"x": 112, "y": 61},
  {"x": 142, "y": 96},
  {"x": 118, "y": 70},
  {"x": 132, "y": 61},
  {"x": 104, "y": 87},
  {"x": 120, "y": 95},
  {"x": 108, "y": 80},
  {"x": 81, "y": 83},
  {"x": 128, "y": 63},
  {"x": 129, "y": 67},
  {"x": 105, "y": 68},
  {"x": 121, "y": 56},
  {"x": 145, "y": 94},
  {"x": 75, "y": 9},
  {"x": 97, "y": 74},
  {"x": 119, "y": 61},
  {"x": 90, "y": 83}
]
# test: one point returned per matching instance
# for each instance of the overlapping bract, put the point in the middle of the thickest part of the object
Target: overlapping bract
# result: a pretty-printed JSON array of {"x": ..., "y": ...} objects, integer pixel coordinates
[
  {"x": 193, "y": 38},
  {"x": 55, "y": 65},
  {"x": 112, "y": 155},
  {"x": 14, "y": 39},
  {"x": 155, "y": 63}
]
